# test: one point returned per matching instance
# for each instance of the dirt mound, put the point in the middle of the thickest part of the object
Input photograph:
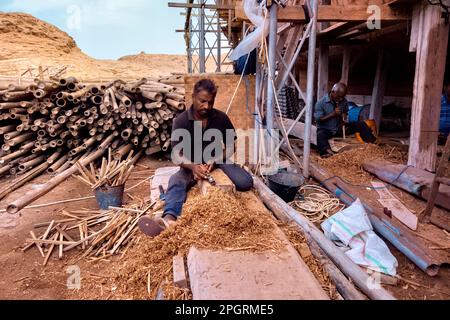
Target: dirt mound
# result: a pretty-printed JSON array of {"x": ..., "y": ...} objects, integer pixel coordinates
[
  {"x": 27, "y": 43},
  {"x": 30, "y": 36}
]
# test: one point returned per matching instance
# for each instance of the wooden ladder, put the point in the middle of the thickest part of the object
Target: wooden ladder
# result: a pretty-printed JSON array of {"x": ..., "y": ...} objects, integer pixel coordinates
[{"x": 438, "y": 179}]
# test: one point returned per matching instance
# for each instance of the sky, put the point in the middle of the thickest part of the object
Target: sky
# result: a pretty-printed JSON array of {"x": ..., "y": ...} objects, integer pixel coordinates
[{"x": 110, "y": 29}]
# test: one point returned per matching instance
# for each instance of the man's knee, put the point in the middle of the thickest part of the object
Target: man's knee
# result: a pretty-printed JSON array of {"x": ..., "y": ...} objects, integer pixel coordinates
[
  {"x": 180, "y": 180},
  {"x": 244, "y": 183}
]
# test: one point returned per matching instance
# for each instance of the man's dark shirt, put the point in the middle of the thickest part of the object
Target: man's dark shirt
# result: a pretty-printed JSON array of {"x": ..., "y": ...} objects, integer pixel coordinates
[
  {"x": 326, "y": 106},
  {"x": 216, "y": 120}
]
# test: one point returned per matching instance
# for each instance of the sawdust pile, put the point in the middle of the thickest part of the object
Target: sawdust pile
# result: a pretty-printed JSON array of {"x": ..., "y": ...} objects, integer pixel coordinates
[
  {"x": 349, "y": 164},
  {"x": 216, "y": 221}
]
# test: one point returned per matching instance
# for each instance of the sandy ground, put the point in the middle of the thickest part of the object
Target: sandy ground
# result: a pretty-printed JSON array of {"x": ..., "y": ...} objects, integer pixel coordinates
[
  {"x": 27, "y": 42},
  {"x": 22, "y": 274}
]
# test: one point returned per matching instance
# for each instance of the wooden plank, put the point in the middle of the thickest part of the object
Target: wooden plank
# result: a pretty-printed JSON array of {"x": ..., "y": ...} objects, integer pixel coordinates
[
  {"x": 222, "y": 182},
  {"x": 162, "y": 177},
  {"x": 379, "y": 88},
  {"x": 413, "y": 180},
  {"x": 382, "y": 191},
  {"x": 197, "y": 5},
  {"x": 179, "y": 272},
  {"x": 246, "y": 275},
  {"x": 429, "y": 76},
  {"x": 299, "y": 130},
  {"x": 322, "y": 70},
  {"x": 398, "y": 209},
  {"x": 345, "y": 64},
  {"x": 416, "y": 21},
  {"x": 336, "y": 13},
  {"x": 435, "y": 184},
  {"x": 400, "y": 212},
  {"x": 293, "y": 39}
]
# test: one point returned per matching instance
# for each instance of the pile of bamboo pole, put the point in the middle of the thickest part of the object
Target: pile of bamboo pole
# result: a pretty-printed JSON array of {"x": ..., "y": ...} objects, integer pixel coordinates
[
  {"x": 99, "y": 234},
  {"x": 50, "y": 125}
]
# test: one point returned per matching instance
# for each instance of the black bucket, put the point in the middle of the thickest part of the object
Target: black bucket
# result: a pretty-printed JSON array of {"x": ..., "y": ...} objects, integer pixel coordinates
[
  {"x": 286, "y": 184},
  {"x": 109, "y": 196}
]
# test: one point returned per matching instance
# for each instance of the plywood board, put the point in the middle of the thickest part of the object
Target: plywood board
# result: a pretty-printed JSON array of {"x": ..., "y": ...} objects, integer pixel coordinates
[
  {"x": 398, "y": 209},
  {"x": 162, "y": 176},
  {"x": 237, "y": 275},
  {"x": 244, "y": 275}
]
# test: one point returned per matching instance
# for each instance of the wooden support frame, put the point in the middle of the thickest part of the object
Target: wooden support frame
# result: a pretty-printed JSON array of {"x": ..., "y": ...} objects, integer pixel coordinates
[
  {"x": 293, "y": 39},
  {"x": 432, "y": 38},
  {"x": 379, "y": 87},
  {"x": 322, "y": 70},
  {"x": 345, "y": 64},
  {"x": 338, "y": 13}
]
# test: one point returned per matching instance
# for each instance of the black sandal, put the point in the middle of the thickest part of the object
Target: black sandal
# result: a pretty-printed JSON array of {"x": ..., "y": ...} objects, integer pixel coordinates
[{"x": 152, "y": 226}]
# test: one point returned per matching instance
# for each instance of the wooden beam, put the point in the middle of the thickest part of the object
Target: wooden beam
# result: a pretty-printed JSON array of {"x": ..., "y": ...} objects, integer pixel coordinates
[
  {"x": 334, "y": 13},
  {"x": 436, "y": 181},
  {"x": 345, "y": 64},
  {"x": 198, "y": 6},
  {"x": 415, "y": 25},
  {"x": 179, "y": 272},
  {"x": 299, "y": 130},
  {"x": 293, "y": 39},
  {"x": 379, "y": 87},
  {"x": 429, "y": 75},
  {"x": 322, "y": 72}
]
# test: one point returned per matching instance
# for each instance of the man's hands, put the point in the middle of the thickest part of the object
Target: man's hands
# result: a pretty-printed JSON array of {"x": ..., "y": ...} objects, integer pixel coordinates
[
  {"x": 337, "y": 111},
  {"x": 201, "y": 171}
]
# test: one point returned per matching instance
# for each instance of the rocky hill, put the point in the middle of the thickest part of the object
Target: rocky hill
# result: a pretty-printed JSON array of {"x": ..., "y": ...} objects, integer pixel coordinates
[{"x": 27, "y": 42}]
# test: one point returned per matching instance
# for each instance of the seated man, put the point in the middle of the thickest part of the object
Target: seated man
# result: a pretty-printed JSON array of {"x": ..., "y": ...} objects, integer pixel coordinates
[
  {"x": 330, "y": 114},
  {"x": 444, "y": 123},
  {"x": 200, "y": 120}
]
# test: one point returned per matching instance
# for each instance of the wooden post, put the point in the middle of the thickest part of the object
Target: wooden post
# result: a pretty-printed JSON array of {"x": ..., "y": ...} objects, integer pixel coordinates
[
  {"x": 292, "y": 41},
  {"x": 379, "y": 87},
  {"x": 436, "y": 182},
  {"x": 322, "y": 73},
  {"x": 431, "y": 54},
  {"x": 345, "y": 65}
]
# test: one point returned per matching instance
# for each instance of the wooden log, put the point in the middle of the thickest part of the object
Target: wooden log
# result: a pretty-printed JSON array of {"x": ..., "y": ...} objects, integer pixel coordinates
[
  {"x": 20, "y": 139},
  {"x": 155, "y": 96},
  {"x": 176, "y": 104},
  {"x": 413, "y": 180},
  {"x": 348, "y": 267},
  {"x": 431, "y": 56},
  {"x": 32, "y": 195},
  {"x": 152, "y": 150},
  {"x": 6, "y": 129},
  {"x": 122, "y": 151},
  {"x": 24, "y": 179},
  {"x": 175, "y": 96}
]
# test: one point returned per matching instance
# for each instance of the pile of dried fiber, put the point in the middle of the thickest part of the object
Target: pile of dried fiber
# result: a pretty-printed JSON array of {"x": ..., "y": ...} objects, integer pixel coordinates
[
  {"x": 348, "y": 164},
  {"x": 217, "y": 221}
]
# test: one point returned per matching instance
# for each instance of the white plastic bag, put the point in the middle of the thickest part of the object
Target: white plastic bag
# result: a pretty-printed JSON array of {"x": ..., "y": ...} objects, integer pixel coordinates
[
  {"x": 352, "y": 227},
  {"x": 256, "y": 15}
]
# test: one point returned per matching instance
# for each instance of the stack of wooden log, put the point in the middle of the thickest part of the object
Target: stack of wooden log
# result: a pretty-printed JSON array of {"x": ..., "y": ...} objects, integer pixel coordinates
[{"x": 51, "y": 124}]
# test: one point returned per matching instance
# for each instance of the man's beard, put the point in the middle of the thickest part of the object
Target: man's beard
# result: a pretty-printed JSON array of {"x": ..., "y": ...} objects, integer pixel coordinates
[{"x": 204, "y": 113}]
